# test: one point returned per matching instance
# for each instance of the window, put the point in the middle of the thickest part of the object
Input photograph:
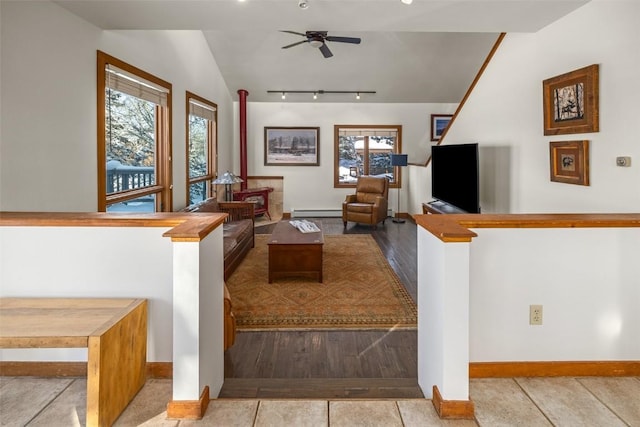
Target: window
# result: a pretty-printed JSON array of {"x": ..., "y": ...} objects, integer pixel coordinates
[
  {"x": 134, "y": 139},
  {"x": 366, "y": 150},
  {"x": 201, "y": 148}
]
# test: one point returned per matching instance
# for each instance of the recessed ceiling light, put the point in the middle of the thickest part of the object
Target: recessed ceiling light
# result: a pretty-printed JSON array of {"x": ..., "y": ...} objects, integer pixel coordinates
[{"x": 406, "y": 1}]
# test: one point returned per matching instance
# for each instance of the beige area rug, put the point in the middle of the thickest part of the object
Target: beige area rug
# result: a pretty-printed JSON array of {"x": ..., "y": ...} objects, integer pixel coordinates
[{"x": 360, "y": 290}]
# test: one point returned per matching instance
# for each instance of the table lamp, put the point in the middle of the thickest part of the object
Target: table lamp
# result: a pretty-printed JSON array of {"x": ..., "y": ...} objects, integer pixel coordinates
[{"x": 228, "y": 179}]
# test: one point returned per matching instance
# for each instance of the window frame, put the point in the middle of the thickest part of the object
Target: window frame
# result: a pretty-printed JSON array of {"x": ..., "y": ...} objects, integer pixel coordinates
[
  {"x": 163, "y": 188},
  {"x": 397, "y": 149},
  {"x": 212, "y": 148}
]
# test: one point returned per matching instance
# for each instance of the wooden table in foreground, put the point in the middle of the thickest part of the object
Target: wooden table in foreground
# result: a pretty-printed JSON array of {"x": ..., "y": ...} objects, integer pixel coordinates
[
  {"x": 113, "y": 329},
  {"x": 292, "y": 252}
]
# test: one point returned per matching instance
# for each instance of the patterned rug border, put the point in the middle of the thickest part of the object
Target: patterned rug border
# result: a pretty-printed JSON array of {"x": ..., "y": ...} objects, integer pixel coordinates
[
  {"x": 407, "y": 320},
  {"x": 327, "y": 328}
]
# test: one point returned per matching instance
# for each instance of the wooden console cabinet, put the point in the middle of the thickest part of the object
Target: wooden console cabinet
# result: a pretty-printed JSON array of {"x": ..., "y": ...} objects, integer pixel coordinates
[{"x": 437, "y": 207}]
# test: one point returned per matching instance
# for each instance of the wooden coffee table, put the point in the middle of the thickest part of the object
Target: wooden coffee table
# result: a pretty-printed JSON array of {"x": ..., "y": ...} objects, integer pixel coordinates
[{"x": 292, "y": 252}]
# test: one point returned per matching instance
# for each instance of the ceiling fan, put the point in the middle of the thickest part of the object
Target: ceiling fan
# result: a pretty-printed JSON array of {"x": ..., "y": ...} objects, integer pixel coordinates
[{"x": 318, "y": 39}]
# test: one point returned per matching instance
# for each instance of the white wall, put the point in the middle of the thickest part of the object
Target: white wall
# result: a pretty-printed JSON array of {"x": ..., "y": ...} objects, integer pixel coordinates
[
  {"x": 48, "y": 119},
  {"x": 504, "y": 114},
  {"x": 66, "y": 262},
  {"x": 48, "y": 102},
  {"x": 586, "y": 279},
  {"x": 311, "y": 187}
]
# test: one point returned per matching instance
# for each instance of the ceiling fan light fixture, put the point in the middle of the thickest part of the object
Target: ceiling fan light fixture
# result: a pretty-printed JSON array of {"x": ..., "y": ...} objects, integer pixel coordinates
[{"x": 315, "y": 43}]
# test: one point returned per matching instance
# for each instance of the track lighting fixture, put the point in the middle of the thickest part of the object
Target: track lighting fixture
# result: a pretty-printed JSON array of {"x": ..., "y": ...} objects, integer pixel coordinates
[{"x": 323, "y": 92}]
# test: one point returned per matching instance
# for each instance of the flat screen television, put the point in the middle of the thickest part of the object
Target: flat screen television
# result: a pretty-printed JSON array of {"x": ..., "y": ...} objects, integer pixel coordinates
[{"x": 455, "y": 176}]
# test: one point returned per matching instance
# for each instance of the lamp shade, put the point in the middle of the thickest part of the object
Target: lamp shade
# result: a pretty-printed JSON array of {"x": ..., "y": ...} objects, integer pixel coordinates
[
  {"x": 399, "y": 159},
  {"x": 227, "y": 178}
]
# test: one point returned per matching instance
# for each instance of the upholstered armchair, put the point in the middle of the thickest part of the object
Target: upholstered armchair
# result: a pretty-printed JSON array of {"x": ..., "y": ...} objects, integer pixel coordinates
[{"x": 369, "y": 204}]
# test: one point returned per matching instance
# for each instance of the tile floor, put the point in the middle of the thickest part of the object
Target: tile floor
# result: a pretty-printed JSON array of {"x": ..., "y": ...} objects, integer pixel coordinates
[{"x": 563, "y": 401}]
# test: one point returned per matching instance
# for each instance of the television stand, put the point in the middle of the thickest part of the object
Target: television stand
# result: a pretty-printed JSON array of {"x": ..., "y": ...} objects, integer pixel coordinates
[{"x": 437, "y": 207}]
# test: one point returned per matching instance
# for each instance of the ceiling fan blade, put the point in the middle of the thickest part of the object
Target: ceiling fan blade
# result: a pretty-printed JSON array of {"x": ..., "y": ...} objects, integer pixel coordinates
[
  {"x": 325, "y": 51},
  {"x": 354, "y": 40},
  {"x": 293, "y": 32},
  {"x": 295, "y": 44}
]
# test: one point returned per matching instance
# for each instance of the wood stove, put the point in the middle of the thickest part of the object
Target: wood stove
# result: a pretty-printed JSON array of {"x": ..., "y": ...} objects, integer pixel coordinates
[{"x": 260, "y": 196}]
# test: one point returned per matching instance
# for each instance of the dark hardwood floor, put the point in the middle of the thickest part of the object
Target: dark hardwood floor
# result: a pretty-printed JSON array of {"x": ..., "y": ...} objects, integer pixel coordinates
[{"x": 333, "y": 364}]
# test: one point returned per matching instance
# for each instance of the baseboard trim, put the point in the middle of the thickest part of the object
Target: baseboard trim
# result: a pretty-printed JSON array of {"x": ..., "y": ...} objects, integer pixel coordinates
[
  {"x": 189, "y": 409},
  {"x": 43, "y": 369},
  {"x": 622, "y": 368},
  {"x": 161, "y": 370},
  {"x": 452, "y": 409}
]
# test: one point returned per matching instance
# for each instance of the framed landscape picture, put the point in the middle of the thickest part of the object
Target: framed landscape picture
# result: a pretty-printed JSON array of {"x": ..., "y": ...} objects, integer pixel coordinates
[
  {"x": 439, "y": 123},
  {"x": 569, "y": 162},
  {"x": 571, "y": 102},
  {"x": 291, "y": 146}
]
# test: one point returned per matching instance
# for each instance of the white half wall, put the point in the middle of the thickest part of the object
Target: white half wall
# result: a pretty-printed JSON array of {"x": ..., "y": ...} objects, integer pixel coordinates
[
  {"x": 586, "y": 279},
  {"x": 91, "y": 262}
]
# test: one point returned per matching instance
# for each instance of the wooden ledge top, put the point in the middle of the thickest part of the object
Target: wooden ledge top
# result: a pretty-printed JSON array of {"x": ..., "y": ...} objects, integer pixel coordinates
[
  {"x": 455, "y": 227},
  {"x": 59, "y": 322},
  {"x": 185, "y": 226}
]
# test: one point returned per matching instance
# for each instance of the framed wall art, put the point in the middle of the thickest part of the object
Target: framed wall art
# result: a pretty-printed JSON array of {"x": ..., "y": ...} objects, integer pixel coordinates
[
  {"x": 571, "y": 102},
  {"x": 439, "y": 123},
  {"x": 291, "y": 146},
  {"x": 569, "y": 162}
]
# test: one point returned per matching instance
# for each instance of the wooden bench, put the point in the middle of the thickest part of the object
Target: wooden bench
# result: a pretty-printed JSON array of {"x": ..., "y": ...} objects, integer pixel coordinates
[{"x": 114, "y": 330}]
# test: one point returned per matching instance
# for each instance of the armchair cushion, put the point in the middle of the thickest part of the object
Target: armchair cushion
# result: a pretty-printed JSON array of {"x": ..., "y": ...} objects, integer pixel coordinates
[
  {"x": 369, "y": 204},
  {"x": 369, "y": 189}
]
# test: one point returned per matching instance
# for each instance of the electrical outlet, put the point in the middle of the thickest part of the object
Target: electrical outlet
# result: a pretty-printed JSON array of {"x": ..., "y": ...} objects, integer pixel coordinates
[{"x": 535, "y": 315}]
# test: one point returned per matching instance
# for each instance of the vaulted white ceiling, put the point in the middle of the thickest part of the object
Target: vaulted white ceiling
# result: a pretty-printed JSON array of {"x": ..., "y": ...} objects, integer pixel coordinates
[{"x": 428, "y": 51}]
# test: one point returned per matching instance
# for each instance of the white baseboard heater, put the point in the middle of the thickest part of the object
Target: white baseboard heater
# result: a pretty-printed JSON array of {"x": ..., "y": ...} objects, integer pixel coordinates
[{"x": 315, "y": 213}]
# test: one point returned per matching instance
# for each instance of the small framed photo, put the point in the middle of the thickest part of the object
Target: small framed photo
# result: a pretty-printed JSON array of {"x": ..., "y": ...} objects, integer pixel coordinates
[
  {"x": 569, "y": 162},
  {"x": 439, "y": 123},
  {"x": 571, "y": 102},
  {"x": 291, "y": 146}
]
